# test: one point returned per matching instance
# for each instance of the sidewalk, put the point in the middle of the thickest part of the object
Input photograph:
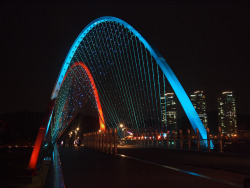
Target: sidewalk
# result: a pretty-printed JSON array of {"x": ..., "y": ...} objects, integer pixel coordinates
[{"x": 88, "y": 168}]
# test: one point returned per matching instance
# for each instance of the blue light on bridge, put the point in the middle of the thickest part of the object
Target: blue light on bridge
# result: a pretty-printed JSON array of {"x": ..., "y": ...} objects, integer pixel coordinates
[
  {"x": 48, "y": 124},
  {"x": 178, "y": 89}
]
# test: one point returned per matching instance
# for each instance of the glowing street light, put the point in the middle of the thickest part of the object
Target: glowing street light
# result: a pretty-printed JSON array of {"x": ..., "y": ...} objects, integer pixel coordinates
[
  {"x": 123, "y": 129},
  {"x": 75, "y": 131}
]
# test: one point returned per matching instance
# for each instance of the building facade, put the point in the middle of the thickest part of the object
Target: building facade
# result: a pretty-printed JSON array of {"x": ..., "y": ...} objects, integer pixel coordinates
[
  {"x": 227, "y": 118},
  {"x": 169, "y": 112},
  {"x": 198, "y": 100}
]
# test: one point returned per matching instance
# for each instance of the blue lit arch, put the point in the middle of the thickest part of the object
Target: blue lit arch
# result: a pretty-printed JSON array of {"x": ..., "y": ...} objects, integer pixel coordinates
[{"x": 178, "y": 89}]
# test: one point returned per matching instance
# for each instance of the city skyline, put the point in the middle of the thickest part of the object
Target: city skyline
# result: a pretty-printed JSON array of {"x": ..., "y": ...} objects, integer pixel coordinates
[{"x": 226, "y": 111}]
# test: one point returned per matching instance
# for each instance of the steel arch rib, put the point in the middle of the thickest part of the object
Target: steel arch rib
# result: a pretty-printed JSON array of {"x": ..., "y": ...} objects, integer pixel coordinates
[
  {"x": 95, "y": 92},
  {"x": 174, "y": 82}
]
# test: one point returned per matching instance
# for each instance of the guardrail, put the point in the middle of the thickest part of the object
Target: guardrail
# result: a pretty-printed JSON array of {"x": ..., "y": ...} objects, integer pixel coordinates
[{"x": 105, "y": 141}]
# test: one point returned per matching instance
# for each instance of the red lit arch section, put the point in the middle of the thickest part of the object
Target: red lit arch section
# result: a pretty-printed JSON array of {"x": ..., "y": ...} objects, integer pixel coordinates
[
  {"x": 95, "y": 92},
  {"x": 42, "y": 130}
]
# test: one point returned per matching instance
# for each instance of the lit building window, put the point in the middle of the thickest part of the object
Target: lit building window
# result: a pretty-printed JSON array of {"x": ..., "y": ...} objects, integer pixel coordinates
[
  {"x": 227, "y": 113},
  {"x": 198, "y": 100}
]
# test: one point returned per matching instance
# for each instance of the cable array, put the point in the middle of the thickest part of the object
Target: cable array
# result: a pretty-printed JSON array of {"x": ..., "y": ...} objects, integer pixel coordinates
[{"x": 128, "y": 79}]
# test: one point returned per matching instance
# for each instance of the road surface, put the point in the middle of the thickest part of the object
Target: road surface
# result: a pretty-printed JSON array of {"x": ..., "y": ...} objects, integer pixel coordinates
[{"x": 142, "y": 167}]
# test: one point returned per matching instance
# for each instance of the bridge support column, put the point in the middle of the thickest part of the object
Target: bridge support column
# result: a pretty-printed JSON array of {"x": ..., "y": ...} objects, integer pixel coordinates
[
  {"x": 87, "y": 139},
  {"x": 95, "y": 140},
  {"x": 115, "y": 141},
  {"x": 100, "y": 137},
  {"x": 152, "y": 140},
  {"x": 144, "y": 141},
  {"x": 148, "y": 138},
  {"x": 136, "y": 138},
  {"x": 156, "y": 138},
  {"x": 92, "y": 140},
  {"x": 102, "y": 140},
  {"x": 189, "y": 139},
  {"x": 174, "y": 140},
  {"x": 83, "y": 141},
  {"x": 167, "y": 144},
  {"x": 162, "y": 140},
  {"x": 107, "y": 141},
  {"x": 110, "y": 141},
  {"x": 140, "y": 139},
  {"x": 220, "y": 139},
  {"x": 208, "y": 140},
  {"x": 181, "y": 140},
  {"x": 198, "y": 139}
]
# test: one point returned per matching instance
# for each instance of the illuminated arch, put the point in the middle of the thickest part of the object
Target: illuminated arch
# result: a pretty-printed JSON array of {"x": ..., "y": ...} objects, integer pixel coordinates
[
  {"x": 174, "y": 82},
  {"x": 47, "y": 118},
  {"x": 95, "y": 92},
  {"x": 178, "y": 89}
]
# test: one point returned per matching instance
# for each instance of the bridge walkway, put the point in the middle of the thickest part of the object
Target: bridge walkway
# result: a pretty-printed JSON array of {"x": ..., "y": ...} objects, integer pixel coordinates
[{"x": 135, "y": 167}]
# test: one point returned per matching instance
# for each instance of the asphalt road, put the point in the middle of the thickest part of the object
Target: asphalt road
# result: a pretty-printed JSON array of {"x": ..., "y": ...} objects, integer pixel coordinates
[{"x": 142, "y": 167}]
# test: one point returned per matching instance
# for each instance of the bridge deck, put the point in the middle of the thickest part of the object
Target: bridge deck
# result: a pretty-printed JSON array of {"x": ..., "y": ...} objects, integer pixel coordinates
[{"x": 84, "y": 167}]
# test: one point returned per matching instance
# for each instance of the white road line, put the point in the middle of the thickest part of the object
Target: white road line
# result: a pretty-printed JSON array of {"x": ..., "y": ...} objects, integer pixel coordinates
[{"x": 183, "y": 171}]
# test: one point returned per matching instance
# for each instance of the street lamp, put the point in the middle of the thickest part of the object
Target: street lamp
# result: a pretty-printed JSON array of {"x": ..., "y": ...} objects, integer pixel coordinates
[
  {"x": 75, "y": 131},
  {"x": 123, "y": 129}
]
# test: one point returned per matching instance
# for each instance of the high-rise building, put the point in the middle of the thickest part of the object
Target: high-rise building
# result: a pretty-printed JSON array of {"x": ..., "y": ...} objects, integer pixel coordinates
[
  {"x": 169, "y": 112},
  {"x": 227, "y": 114},
  {"x": 163, "y": 112},
  {"x": 198, "y": 100}
]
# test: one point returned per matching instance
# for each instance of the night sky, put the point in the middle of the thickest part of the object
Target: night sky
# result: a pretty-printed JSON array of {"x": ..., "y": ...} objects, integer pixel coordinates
[{"x": 207, "y": 45}]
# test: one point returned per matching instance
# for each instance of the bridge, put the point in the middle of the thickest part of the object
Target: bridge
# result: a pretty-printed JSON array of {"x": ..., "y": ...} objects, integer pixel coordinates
[{"x": 113, "y": 71}]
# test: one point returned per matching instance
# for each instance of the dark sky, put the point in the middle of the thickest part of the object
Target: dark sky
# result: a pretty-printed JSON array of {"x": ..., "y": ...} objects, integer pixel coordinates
[{"x": 206, "y": 44}]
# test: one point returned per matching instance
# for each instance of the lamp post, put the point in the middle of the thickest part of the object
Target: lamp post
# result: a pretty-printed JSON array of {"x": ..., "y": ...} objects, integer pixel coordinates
[
  {"x": 123, "y": 129},
  {"x": 75, "y": 131}
]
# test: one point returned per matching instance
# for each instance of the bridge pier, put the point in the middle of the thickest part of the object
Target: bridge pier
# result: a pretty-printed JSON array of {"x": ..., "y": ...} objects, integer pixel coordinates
[
  {"x": 189, "y": 139},
  {"x": 174, "y": 145},
  {"x": 110, "y": 141},
  {"x": 198, "y": 139},
  {"x": 167, "y": 145},
  {"x": 181, "y": 140}
]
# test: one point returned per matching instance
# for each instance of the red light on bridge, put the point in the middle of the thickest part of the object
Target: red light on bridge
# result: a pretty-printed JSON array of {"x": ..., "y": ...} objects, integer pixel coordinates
[{"x": 36, "y": 150}]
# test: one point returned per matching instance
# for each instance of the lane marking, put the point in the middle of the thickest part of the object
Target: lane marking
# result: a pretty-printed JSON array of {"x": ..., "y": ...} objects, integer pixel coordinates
[{"x": 183, "y": 171}]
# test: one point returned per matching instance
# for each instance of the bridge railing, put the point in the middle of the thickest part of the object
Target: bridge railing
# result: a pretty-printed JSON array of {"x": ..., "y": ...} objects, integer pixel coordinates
[
  {"x": 178, "y": 141},
  {"x": 105, "y": 141}
]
